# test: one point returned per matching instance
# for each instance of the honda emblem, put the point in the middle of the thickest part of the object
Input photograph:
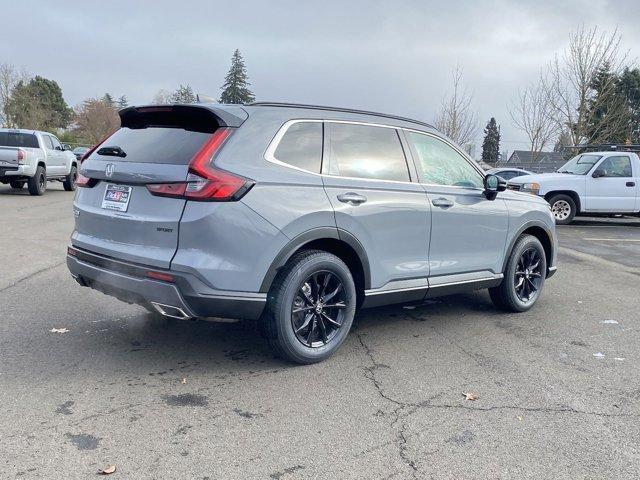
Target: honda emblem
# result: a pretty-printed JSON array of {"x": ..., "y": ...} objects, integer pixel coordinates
[{"x": 108, "y": 171}]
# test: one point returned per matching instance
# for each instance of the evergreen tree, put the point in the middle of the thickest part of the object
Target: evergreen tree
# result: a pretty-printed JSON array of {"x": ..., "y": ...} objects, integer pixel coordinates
[
  {"x": 39, "y": 104},
  {"x": 122, "y": 102},
  {"x": 629, "y": 89},
  {"x": 235, "y": 88},
  {"x": 184, "y": 94},
  {"x": 108, "y": 99},
  {"x": 607, "y": 112},
  {"x": 491, "y": 142},
  {"x": 564, "y": 140}
]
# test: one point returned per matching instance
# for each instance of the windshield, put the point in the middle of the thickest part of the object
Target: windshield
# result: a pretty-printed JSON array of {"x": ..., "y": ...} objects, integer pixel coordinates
[{"x": 580, "y": 164}]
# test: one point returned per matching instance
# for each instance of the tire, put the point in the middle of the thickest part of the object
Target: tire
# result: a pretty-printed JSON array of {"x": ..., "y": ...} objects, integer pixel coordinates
[
  {"x": 508, "y": 296},
  {"x": 38, "y": 183},
  {"x": 307, "y": 336},
  {"x": 563, "y": 208},
  {"x": 17, "y": 184},
  {"x": 69, "y": 182}
]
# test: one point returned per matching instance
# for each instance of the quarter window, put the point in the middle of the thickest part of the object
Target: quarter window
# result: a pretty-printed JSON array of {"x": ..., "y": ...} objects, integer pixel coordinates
[
  {"x": 442, "y": 165},
  {"x": 301, "y": 146},
  {"x": 616, "y": 167},
  {"x": 364, "y": 151}
]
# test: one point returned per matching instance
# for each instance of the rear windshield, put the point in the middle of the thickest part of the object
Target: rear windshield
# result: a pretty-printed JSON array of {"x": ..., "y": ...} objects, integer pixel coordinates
[
  {"x": 152, "y": 145},
  {"x": 17, "y": 139}
]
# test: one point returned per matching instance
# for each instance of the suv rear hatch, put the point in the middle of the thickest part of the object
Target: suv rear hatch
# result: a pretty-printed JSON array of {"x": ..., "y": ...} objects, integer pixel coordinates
[{"x": 136, "y": 182}]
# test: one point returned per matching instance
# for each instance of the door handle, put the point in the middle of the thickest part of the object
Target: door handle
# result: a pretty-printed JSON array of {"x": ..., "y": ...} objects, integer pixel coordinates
[
  {"x": 352, "y": 198},
  {"x": 631, "y": 184},
  {"x": 442, "y": 202}
]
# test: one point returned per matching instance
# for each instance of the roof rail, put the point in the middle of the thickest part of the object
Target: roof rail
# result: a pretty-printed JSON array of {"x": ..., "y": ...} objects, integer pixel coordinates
[{"x": 338, "y": 109}]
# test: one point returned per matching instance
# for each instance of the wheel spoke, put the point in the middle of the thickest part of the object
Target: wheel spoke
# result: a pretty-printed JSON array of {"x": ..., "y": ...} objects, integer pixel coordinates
[
  {"x": 331, "y": 320},
  {"x": 325, "y": 284},
  {"x": 532, "y": 286},
  {"x": 301, "y": 309},
  {"x": 311, "y": 330},
  {"x": 306, "y": 296},
  {"x": 535, "y": 275},
  {"x": 329, "y": 296},
  {"x": 336, "y": 305},
  {"x": 304, "y": 325},
  {"x": 323, "y": 330}
]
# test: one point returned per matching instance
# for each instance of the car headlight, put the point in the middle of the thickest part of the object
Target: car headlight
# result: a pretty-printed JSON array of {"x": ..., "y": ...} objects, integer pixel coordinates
[{"x": 532, "y": 188}]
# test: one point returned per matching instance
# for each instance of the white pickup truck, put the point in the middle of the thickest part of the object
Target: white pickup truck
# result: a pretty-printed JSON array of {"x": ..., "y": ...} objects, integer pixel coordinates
[
  {"x": 33, "y": 157},
  {"x": 592, "y": 183}
]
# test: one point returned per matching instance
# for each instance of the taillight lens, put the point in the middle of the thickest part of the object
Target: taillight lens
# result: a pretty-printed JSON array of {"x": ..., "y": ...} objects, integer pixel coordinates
[
  {"x": 204, "y": 181},
  {"x": 20, "y": 157},
  {"x": 85, "y": 182}
]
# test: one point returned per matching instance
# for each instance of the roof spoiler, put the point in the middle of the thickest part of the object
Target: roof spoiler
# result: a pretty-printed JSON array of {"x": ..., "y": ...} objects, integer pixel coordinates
[{"x": 197, "y": 117}]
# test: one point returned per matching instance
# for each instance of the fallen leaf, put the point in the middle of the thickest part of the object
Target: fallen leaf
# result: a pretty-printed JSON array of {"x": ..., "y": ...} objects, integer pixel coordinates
[
  {"x": 470, "y": 396},
  {"x": 59, "y": 330},
  {"x": 519, "y": 418},
  {"x": 184, "y": 381},
  {"x": 108, "y": 470}
]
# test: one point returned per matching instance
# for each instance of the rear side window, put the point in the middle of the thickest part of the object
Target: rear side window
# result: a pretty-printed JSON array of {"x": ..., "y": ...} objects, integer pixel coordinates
[
  {"x": 301, "y": 146},
  {"x": 154, "y": 145},
  {"x": 364, "y": 151},
  {"x": 17, "y": 139},
  {"x": 46, "y": 139}
]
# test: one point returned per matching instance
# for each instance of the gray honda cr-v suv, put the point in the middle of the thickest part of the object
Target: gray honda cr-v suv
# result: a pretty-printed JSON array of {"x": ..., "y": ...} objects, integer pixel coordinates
[{"x": 297, "y": 216}]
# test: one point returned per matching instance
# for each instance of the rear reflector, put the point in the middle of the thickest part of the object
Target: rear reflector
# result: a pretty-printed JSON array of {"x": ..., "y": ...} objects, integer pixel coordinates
[
  {"x": 85, "y": 182},
  {"x": 165, "y": 277},
  {"x": 204, "y": 181}
]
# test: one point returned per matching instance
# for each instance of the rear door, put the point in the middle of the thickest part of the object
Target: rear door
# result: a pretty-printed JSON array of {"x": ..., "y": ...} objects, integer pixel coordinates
[
  {"x": 615, "y": 190},
  {"x": 118, "y": 216},
  {"x": 368, "y": 181}
]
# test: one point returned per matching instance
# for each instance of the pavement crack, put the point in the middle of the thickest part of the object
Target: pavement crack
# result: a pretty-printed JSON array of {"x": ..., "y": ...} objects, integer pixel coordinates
[
  {"x": 563, "y": 409},
  {"x": 30, "y": 276}
]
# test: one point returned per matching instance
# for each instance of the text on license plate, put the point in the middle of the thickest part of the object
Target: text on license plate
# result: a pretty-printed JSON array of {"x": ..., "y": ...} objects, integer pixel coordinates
[{"x": 116, "y": 197}]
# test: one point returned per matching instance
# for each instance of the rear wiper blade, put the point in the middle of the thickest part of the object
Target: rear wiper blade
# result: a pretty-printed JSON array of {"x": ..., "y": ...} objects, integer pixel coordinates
[{"x": 112, "y": 152}]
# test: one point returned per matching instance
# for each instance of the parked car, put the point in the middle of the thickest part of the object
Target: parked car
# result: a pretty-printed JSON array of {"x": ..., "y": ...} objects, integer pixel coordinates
[
  {"x": 79, "y": 152},
  {"x": 33, "y": 157},
  {"x": 508, "y": 173},
  {"x": 298, "y": 216},
  {"x": 593, "y": 183}
]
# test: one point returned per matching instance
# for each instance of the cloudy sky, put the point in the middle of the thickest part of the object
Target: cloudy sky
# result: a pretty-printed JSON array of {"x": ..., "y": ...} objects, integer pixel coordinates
[{"x": 394, "y": 56}]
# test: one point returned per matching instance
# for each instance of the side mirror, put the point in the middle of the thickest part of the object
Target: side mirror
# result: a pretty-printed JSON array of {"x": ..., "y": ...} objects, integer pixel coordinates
[
  {"x": 66, "y": 147},
  {"x": 492, "y": 185},
  {"x": 599, "y": 173}
]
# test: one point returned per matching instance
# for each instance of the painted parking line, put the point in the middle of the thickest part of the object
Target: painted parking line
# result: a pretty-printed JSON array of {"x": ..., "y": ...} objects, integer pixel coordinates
[{"x": 612, "y": 239}]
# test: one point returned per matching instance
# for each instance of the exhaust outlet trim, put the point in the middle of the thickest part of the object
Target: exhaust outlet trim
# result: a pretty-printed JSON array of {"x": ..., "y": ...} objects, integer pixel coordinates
[{"x": 170, "y": 311}]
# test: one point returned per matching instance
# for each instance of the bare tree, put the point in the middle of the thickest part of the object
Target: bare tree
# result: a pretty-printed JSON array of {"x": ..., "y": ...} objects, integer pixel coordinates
[
  {"x": 162, "y": 97},
  {"x": 95, "y": 119},
  {"x": 456, "y": 119},
  {"x": 533, "y": 114},
  {"x": 9, "y": 78},
  {"x": 569, "y": 78}
]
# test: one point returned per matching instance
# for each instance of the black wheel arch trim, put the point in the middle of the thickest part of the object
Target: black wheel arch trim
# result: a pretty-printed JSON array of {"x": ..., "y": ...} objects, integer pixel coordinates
[
  {"x": 521, "y": 230},
  {"x": 319, "y": 233}
]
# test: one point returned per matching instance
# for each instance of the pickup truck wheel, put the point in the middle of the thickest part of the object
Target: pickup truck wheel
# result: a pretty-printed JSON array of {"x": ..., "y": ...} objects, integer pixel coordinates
[
  {"x": 523, "y": 277},
  {"x": 310, "y": 307},
  {"x": 69, "y": 182},
  {"x": 563, "y": 208},
  {"x": 38, "y": 183},
  {"x": 17, "y": 185}
]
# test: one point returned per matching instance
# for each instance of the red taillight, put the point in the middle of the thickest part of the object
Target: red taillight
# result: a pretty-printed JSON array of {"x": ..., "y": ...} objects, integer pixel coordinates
[
  {"x": 204, "y": 181},
  {"x": 85, "y": 182},
  {"x": 20, "y": 156},
  {"x": 165, "y": 277}
]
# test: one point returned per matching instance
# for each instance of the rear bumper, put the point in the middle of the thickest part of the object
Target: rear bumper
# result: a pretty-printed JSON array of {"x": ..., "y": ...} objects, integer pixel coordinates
[
  {"x": 128, "y": 282},
  {"x": 17, "y": 171}
]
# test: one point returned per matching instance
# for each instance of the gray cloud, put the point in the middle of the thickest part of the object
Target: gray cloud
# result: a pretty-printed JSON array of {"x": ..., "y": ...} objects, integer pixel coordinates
[{"x": 393, "y": 56}]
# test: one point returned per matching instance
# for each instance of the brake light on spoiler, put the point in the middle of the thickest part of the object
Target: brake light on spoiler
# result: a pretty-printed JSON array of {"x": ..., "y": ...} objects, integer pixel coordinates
[{"x": 205, "y": 182}]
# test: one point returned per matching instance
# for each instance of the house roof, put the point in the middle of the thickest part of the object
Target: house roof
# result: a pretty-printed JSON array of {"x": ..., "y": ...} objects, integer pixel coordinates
[{"x": 525, "y": 156}]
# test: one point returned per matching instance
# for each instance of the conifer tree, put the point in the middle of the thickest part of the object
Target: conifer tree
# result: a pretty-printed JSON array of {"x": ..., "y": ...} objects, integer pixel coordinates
[{"x": 235, "y": 88}]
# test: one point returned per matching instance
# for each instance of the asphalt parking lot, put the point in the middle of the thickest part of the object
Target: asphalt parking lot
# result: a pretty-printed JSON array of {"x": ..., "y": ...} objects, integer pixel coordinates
[{"x": 558, "y": 387}]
